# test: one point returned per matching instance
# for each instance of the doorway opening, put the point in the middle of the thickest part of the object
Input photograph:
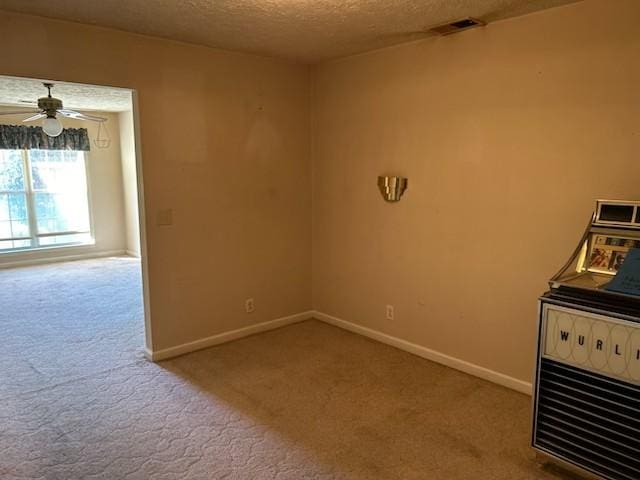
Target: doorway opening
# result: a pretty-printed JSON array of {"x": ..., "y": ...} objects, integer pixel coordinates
[{"x": 73, "y": 275}]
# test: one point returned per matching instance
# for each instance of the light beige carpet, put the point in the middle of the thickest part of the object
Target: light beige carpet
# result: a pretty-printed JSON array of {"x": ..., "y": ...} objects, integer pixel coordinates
[
  {"x": 68, "y": 320},
  {"x": 308, "y": 401}
]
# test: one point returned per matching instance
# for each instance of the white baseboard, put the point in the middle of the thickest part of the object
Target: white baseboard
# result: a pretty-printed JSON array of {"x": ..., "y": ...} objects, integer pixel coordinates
[
  {"x": 225, "y": 337},
  {"x": 456, "y": 363},
  {"x": 131, "y": 253},
  {"x": 424, "y": 352},
  {"x": 59, "y": 258}
]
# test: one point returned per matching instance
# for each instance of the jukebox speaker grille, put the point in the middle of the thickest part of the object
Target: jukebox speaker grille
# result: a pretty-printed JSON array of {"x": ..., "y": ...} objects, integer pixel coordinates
[{"x": 589, "y": 420}]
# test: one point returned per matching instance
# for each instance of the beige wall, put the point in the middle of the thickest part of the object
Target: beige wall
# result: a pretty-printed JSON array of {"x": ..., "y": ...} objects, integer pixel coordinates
[
  {"x": 104, "y": 179},
  {"x": 225, "y": 146},
  {"x": 507, "y": 135},
  {"x": 129, "y": 183}
]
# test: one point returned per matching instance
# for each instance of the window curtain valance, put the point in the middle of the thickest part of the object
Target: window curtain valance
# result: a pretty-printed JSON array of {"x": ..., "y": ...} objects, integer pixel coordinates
[{"x": 23, "y": 137}]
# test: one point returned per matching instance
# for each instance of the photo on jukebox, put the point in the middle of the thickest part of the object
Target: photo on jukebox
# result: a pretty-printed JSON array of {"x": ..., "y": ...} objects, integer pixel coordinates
[{"x": 586, "y": 402}]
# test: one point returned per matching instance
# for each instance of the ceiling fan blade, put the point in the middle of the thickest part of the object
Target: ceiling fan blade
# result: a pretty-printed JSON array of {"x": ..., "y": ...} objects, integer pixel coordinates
[
  {"x": 21, "y": 112},
  {"x": 35, "y": 117},
  {"x": 81, "y": 116}
]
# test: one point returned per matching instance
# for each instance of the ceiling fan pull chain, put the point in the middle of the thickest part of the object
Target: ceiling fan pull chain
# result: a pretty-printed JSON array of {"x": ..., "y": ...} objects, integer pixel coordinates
[{"x": 103, "y": 139}]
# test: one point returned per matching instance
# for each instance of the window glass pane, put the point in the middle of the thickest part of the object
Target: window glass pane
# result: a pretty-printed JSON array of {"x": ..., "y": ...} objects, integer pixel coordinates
[
  {"x": 60, "y": 191},
  {"x": 57, "y": 170},
  {"x": 61, "y": 212},
  {"x": 14, "y": 219},
  {"x": 5, "y": 210},
  {"x": 5, "y": 230},
  {"x": 12, "y": 244},
  {"x": 11, "y": 171}
]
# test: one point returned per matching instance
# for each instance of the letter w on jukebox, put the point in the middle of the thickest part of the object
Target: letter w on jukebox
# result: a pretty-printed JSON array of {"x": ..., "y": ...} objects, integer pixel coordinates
[{"x": 586, "y": 404}]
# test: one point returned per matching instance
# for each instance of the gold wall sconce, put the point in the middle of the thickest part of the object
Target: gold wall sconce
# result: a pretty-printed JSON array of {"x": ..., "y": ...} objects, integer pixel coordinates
[{"x": 392, "y": 188}]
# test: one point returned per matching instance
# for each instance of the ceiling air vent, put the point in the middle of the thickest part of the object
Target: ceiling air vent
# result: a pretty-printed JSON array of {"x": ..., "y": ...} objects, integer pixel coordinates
[{"x": 458, "y": 26}]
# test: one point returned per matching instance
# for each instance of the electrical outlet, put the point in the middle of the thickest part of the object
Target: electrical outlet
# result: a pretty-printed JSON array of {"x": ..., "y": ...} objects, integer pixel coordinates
[
  {"x": 249, "y": 305},
  {"x": 390, "y": 312}
]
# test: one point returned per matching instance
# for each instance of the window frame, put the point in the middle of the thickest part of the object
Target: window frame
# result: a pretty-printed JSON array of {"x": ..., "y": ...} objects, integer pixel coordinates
[{"x": 32, "y": 220}]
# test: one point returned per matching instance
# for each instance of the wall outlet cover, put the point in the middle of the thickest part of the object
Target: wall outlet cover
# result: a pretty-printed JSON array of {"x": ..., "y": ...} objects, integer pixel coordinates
[
  {"x": 390, "y": 312},
  {"x": 249, "y": 305}
]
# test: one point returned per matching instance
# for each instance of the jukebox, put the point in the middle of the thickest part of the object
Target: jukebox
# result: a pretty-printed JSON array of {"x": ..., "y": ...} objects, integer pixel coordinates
[{"x": 586, "y": 404}]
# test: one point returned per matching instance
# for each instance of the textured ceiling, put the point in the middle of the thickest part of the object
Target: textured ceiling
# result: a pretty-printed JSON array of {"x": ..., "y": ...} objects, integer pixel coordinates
[
  {"x": 25, "y": 92},
  {"x": 302, "y": 30}
]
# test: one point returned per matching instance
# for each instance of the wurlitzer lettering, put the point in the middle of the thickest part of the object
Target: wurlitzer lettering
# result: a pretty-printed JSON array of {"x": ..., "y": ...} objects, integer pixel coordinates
[
  {"x": 565, "y": 336},
  {"x": 612, "y": 354}
]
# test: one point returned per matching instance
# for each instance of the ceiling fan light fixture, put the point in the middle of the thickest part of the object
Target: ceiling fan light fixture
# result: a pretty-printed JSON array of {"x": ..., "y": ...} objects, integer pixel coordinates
[
  {"x": 49, "y": 107},
  {"x": 52, "y": 126}
]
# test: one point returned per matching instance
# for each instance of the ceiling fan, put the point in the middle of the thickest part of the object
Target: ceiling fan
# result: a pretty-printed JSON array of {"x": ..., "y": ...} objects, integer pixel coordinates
[{"x": 48, "y": 108}]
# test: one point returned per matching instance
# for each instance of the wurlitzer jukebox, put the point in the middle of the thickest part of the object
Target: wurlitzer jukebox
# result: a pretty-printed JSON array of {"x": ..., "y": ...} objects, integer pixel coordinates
[{"x": 586, "y": 407}]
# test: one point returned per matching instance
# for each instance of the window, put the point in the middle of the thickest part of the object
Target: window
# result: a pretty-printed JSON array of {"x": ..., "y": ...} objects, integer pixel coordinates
[{"x": 43, "y": 199}]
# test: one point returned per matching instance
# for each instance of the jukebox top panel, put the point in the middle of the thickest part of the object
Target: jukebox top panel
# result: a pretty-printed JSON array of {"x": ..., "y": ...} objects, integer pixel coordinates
[{"x": 612, "y": 233}]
